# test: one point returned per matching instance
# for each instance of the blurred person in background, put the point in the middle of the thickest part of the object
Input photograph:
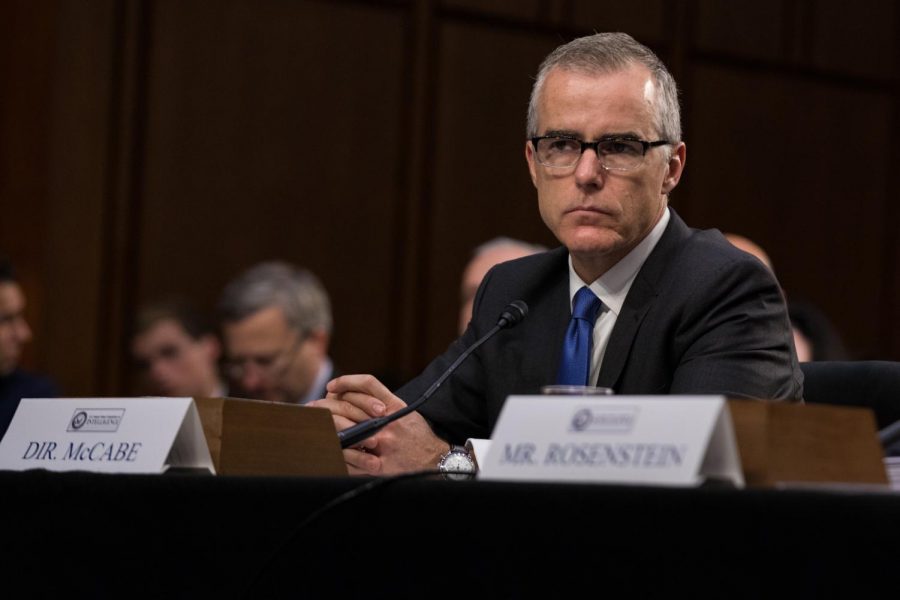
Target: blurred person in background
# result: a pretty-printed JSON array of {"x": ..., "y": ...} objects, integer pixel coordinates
[
  {"x": 815, "y": 337},
  {"x": 177, "y": 351},
  {"x": 485, "y": 256},
  {"x": 276, "y": 326},
  {"x": 15, "y": 383}
]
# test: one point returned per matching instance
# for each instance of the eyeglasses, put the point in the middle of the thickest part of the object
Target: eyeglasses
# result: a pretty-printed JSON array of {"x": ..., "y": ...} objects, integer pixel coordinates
[
  {"x": 266, "y": 364},
  {"x": 614, "y": 154}
]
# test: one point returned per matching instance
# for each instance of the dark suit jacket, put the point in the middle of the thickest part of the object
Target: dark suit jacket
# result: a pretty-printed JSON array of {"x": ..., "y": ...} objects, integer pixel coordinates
[
  {"x": 700, "y": 318},
  {"x": 21, "y": 384}
]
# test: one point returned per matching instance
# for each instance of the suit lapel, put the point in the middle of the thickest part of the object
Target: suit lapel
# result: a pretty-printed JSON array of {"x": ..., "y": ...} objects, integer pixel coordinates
[
  {"x": 640, "y": 299},
  {"x": 553, "y": 331}
]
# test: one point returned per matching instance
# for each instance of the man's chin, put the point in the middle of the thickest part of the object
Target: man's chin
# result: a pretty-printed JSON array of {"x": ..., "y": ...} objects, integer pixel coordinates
[{"x": 593, "y": 246}]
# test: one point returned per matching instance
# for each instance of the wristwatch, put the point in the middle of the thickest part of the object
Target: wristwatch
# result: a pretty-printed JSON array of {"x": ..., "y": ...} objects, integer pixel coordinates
[{"x": 457, "y": 464}]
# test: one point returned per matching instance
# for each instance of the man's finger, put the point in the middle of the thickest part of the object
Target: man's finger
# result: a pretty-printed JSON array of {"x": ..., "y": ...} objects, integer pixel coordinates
[
  {"x": 349, "y": 411},
  {"x": 341, "y": 423},
  {"x": 368, "y": 385},
  {"x": 373, "y": 406},
  {"x": 362, "y": 463},
  {"x": 370, "y": 444}
]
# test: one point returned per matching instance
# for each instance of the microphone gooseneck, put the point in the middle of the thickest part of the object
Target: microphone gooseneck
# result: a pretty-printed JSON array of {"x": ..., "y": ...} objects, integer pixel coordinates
[{"x": 511, "y": 316}]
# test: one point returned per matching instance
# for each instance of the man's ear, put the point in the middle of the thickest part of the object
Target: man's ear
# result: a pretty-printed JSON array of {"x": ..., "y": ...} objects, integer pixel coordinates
[
  {"x": 212, "y": 347},
  {"x": 675, "y": 168},
  {"x": 529, "y": 157},
  {"x": 321, "y": 339}
]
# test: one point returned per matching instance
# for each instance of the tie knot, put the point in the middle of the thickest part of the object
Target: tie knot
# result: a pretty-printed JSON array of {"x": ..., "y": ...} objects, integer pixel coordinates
[{"x": 586, "y": 305}]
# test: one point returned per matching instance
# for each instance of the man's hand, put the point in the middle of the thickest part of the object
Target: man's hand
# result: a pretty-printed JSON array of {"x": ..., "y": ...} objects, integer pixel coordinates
[{"x": 405, "y": 445}]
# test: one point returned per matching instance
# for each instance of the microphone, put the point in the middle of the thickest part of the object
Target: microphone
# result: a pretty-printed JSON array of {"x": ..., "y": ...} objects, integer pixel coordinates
[
  {"x": 511, "y": 316},
  {"x": 890, "y": 435}
]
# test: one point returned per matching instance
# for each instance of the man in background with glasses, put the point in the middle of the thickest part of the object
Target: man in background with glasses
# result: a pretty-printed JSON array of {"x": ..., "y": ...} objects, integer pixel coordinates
[
  {"x": 276, "y": 326},
  {"x": 634, "y": 300}
]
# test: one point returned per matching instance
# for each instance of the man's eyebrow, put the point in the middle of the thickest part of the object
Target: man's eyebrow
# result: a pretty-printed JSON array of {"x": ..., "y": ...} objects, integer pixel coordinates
[
  {"x": 628, "y": 135},
  {"x": 568, "y": 133}
]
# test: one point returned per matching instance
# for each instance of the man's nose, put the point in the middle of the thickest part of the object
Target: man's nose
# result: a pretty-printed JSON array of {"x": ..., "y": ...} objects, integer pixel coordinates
[
  {"x": 159, "y": 370},
  {"x": 252, "y": 379},
  {"x": 588, "y": 170}
]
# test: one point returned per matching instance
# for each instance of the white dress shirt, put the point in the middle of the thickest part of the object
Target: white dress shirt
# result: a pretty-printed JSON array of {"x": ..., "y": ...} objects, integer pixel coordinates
[{"x": 317, "y": 389}]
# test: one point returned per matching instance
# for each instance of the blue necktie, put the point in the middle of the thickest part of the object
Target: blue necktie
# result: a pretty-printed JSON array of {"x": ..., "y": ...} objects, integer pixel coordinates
[{"x": 575, "y": 363}]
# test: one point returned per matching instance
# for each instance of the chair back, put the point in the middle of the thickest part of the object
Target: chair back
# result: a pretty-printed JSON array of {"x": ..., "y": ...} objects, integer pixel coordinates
[{"x": 873, "y": 384}]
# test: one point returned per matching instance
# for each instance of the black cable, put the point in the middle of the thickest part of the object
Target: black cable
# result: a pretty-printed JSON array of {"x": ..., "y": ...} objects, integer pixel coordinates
[{"x": 365, "y": 429}]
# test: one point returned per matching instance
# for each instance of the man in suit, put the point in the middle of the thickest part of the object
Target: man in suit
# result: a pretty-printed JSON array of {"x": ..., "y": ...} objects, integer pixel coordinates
[
  {"x": 276, "y": 325},
  {"x": 668, "y": 309},
  {"x": 15, "y": 382}
]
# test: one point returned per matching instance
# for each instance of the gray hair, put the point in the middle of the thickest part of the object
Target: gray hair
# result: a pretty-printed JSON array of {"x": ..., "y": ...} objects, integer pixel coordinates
[
  {"x": 608, "y": 53},
  {"x": 507, "y": 242},
  {"x": 295, "y": 291}
]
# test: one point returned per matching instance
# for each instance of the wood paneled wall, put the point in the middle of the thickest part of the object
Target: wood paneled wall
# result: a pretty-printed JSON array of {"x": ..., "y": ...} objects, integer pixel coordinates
[{"x": 158, "y": 147}]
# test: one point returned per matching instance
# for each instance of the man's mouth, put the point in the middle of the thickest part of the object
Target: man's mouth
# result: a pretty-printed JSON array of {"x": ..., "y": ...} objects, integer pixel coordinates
[{"x": 588, "y": 210}]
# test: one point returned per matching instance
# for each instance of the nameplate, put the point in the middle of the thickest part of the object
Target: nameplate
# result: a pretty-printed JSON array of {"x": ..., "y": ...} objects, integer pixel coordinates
[
  {"x": 107, "y": 435},
  {"x": 660, "y": 440}
]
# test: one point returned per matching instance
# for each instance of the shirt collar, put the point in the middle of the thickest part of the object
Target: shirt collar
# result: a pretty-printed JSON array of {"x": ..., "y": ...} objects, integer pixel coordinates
[
  {"x": 612, "y": 287},
  {"x": 322, "y": 377}
]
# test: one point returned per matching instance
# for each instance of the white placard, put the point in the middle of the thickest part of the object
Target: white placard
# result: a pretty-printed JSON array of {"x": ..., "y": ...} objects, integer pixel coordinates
[
  {"x": 663, "y": 440},
  {"x": 109, "y": 435}
]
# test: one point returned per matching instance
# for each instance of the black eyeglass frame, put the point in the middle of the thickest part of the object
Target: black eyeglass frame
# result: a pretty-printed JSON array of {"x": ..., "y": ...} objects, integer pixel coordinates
[{"x": 595, "y": 146}]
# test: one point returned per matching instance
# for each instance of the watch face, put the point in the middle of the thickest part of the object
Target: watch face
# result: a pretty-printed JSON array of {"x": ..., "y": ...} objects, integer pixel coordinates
[
  {"x": 458, "y": 462},
  {"x": 457, "y": 465}
]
